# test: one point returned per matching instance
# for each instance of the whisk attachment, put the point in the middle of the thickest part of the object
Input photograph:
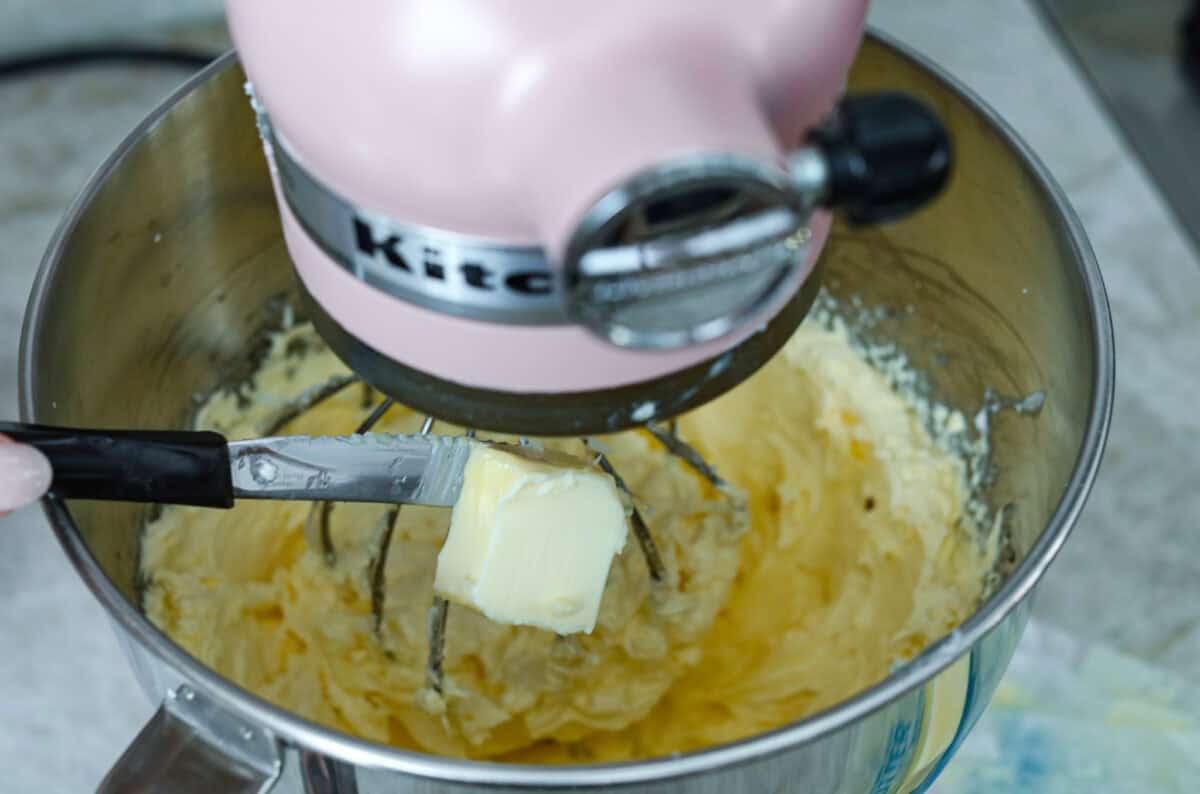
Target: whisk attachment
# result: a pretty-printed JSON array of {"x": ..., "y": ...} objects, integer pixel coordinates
[{"x": 319, "y": 533}]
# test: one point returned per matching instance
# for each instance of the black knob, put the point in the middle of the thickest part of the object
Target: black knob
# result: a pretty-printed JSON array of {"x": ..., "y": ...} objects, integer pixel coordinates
[{"x": 887, "y": 154}]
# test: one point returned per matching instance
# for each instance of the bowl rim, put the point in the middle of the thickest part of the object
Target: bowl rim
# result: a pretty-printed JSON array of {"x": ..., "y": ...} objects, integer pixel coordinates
[{"x": 349, "y": 749}]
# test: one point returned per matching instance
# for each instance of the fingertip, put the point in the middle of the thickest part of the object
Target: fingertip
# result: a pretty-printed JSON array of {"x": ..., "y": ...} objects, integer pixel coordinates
[{"x": 25, "y": 474}]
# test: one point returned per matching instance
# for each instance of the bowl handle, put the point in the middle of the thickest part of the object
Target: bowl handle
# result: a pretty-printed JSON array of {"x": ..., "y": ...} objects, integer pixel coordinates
[{"x": 190, "y": 746}]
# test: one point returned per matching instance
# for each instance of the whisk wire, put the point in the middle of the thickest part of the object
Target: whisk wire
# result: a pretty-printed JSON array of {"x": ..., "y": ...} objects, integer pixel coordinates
[
  {"x": 670, "y": 439},
  {"x": 641, "y": 532},
  {"x": 377, "y": 566},
  {"x": 317, "y": 524}
]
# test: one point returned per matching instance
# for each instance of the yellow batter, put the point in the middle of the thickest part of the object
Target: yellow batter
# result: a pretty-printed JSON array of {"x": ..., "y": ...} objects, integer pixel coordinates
[{"x": 857, "y": 554}]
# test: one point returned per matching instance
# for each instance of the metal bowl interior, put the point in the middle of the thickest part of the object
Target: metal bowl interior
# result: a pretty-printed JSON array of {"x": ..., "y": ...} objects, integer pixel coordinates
[{"x": 170, "y": 265}]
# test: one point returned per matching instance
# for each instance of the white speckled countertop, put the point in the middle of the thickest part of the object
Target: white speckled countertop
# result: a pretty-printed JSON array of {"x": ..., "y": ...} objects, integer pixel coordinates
[{"x": 1129, "y": 577}]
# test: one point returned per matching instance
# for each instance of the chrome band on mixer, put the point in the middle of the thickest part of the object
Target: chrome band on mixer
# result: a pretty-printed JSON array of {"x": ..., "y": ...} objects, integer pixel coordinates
[
  {"x": 452, "y": 273},
  {"x": 642, "y": 272}
]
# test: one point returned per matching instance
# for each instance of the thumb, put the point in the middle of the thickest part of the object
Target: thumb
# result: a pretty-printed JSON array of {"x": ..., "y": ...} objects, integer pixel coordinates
[{"x": 25, "y": 474}]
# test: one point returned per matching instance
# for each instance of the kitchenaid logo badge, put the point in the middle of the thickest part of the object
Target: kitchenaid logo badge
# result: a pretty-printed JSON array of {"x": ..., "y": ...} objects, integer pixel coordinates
[
  {"x": 432, "y": 265},
  {"x": 697, "y": 274}
]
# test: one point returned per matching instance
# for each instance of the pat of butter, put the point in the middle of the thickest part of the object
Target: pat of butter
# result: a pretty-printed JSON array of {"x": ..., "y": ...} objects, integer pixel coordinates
[{"x": 531, "y": 543}]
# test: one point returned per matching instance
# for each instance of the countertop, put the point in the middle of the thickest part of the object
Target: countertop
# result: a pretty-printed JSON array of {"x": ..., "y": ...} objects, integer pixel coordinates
[{"x": 1129, "y": 578}]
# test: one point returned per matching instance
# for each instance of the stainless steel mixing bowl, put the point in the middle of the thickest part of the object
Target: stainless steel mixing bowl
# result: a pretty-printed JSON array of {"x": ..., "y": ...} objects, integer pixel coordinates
[{"x": 163, "y": 273}]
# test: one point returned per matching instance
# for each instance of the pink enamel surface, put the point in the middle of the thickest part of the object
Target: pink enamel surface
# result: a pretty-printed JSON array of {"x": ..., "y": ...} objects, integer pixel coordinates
[
  {"x": 508, "y": 118},
  {"x": 546, "y": 359}
]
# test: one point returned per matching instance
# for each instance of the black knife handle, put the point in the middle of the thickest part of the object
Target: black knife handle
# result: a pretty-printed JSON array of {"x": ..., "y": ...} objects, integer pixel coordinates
[{"x": 151, "y": 466}]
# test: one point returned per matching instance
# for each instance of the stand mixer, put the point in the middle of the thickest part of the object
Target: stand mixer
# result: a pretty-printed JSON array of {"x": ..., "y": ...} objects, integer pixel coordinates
[
  {"x": 551, "y": 218},
  {"x": 548, "y": 219},
  {"x": 544, "y": 218}
]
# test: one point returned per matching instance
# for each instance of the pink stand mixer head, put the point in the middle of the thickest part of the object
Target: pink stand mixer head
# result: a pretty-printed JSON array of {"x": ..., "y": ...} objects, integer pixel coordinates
[{"x": 559, "y": 218}]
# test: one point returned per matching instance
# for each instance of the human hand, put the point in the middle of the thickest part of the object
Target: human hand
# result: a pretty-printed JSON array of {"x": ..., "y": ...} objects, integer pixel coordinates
[{"x": 25, "y": 474}]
